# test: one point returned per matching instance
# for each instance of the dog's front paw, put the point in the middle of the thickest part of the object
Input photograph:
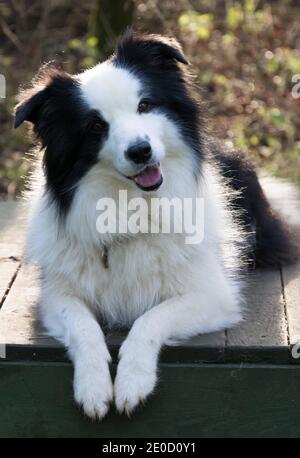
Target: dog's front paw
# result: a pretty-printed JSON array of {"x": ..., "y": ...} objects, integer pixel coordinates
[
  {"x": 136, "y": 376},
  {"x": 93, "y": 391}
]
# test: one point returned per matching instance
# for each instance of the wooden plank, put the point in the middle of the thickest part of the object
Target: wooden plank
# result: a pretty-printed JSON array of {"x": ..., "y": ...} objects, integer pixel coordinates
[
  {"x": 197, "y": 400},
  {"x": 8, "y": 269},
  {"x": 279, "y": 188},
  {"x": 12, "y": 225},
  {"x": 265, "y": 323},
  {"x": 19, "y": 318},
  {"x": 213, "y": 339},
  {"x": 284, "y": 197},
  {"x": 11, "y": 240},
  {"x": 291, "y": 280}
]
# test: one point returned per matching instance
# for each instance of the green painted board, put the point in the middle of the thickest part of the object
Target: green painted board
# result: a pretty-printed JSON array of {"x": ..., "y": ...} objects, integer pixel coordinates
[{"x": 190, "y": 401}]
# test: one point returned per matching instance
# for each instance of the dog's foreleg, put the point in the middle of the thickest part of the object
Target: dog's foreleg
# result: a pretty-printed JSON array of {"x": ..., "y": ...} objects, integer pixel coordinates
[
  {"x": 213, "y": 306},
  {"x": 70, "y": 321}
]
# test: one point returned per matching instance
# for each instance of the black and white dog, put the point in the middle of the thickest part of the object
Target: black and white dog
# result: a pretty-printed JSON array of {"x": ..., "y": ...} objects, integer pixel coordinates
[{"x": 133, "y": 123}]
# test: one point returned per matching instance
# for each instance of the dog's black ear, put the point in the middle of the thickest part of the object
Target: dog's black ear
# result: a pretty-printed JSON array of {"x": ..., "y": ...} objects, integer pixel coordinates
[
  {"x": 168, "y": 48},
  {"x": 29, "y": 107},
  {"x": 33, "y": 100},
  {"x": 156, "y": 49}
]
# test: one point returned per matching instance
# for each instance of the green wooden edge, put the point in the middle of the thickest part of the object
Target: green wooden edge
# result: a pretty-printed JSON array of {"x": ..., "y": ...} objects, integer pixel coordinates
[
  {"x": 195, "y": 400},
  {"x": 174, "y": 354}
]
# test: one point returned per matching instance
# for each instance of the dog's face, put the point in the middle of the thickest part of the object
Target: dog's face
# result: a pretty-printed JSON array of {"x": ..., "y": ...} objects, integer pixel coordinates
[
  {"x": 124, "y": 115},
  {"x": 134, "y": 142}
]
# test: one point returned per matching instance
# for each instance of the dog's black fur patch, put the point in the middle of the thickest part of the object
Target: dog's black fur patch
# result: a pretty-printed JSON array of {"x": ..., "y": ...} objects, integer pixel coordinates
[
  {"x": 69, "y": 130},
  {"x": 158, "y": 63},
  {"x": 272, "y": 245}
]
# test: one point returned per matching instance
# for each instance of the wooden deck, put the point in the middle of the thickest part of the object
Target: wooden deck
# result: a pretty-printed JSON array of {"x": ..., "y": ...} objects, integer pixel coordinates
[{"x": 261, "y": 348}]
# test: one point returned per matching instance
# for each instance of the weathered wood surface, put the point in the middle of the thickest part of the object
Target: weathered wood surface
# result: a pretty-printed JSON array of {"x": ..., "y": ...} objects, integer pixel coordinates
[
  {"x": 8, "y": 269},
  {"x": 272, "y": 317},
  {"x": 11, "y": 245},
  {"x": 264, "y": 323},
  {"x": 11, "y": 230},
  {"x": 291, "y": 281}
]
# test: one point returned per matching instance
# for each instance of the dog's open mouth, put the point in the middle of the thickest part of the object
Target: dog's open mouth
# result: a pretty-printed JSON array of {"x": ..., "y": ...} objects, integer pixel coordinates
[{"x": 150, "y": 178}]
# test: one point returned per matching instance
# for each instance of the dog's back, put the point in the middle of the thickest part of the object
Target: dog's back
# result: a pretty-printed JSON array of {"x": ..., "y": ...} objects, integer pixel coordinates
[{"x": 272, "y": 243}]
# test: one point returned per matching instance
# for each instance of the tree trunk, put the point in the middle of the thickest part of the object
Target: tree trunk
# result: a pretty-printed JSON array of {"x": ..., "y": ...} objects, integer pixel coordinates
[{"x": 109, "y": 18}]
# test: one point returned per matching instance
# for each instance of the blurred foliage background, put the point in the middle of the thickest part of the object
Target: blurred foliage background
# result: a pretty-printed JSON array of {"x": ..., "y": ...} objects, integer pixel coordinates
[{"x": 244, "y": 54}]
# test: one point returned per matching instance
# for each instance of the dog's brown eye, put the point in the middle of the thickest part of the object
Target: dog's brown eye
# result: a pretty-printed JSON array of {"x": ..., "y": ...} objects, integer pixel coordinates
[
  {"x": 144, "y": 106},
  {"x": 97, "y": 126}
]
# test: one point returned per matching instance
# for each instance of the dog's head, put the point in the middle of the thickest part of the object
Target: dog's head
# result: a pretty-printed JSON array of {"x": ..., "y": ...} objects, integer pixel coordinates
[{"x": 124, "y": 115}]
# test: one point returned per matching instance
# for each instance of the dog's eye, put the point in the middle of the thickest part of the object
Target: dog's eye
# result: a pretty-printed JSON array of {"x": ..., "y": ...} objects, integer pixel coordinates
[
  {"x": 96, "y": 126},
  {"x": 144, "y": 106}
]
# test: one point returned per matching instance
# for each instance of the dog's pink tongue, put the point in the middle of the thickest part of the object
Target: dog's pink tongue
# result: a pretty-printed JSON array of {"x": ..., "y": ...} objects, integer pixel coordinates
[{"x": 149, "y": 177}]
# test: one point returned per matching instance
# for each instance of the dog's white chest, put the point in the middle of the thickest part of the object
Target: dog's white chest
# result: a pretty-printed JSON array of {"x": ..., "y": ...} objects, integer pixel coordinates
[{"x": 139, "y": 274}]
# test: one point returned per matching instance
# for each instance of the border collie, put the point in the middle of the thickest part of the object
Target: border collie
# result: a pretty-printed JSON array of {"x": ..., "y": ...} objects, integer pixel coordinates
[{"x": 134, "y": 123}]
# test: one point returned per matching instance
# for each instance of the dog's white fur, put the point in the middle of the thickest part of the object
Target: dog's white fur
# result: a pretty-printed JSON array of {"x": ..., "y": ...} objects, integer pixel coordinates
[{"x": 163, "y": 288}]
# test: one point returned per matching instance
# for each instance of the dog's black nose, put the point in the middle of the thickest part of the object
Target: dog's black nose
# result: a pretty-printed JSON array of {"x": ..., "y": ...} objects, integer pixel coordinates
[{"x": 140, "y": 152}]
